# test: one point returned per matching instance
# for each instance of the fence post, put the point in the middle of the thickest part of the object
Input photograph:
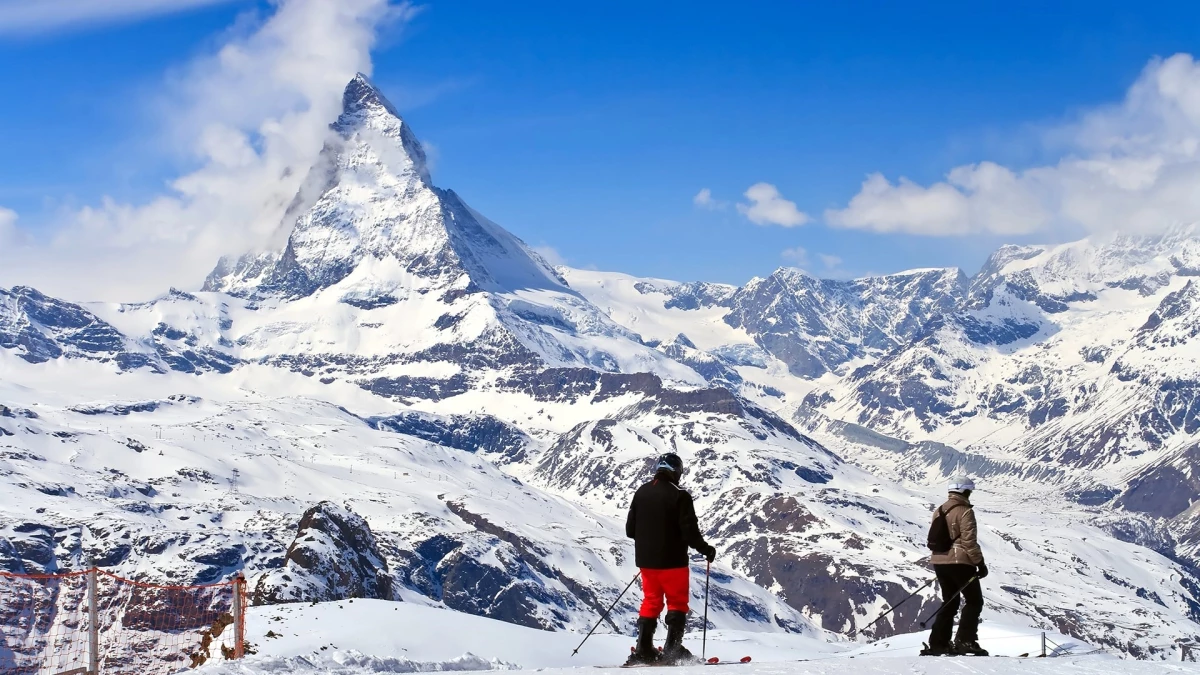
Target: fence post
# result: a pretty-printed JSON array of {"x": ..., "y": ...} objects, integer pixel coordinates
[
  {"x": 239, "y": 616},
  {"x": 93, "y": 625},
  {"x": 1043, "y": 644}
]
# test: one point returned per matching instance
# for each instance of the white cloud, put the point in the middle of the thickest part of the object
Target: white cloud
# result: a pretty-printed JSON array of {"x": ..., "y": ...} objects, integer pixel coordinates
[
  {"x": 32, "y": 16},
  {"x": 550, "y": 255},
  {"x": 253, "y": 116},
  {"x": 704, "y": 200},
  {"x": 831, "y": 262},
  {"x": 433, "y": 153},
  {"x": 797, "y": 255},
  {"x": 1133, "y": 166},
  {"x": 10, "y": 236},
  {"x": 982, "y": 197},
  {"x": 768, "y": 207}
]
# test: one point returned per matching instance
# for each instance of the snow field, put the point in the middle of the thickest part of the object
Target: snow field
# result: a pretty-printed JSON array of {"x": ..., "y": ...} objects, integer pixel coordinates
[
  {"x": 229, "y": 472},
  {"x": 293, "y": 452},
  {"x": 357, "y": 637}
]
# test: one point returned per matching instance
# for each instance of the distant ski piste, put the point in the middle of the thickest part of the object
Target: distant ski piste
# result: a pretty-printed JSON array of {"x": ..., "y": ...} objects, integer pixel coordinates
[{"x": 354, "y": 637}]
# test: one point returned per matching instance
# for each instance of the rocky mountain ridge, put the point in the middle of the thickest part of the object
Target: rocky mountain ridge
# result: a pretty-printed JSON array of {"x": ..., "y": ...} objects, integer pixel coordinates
[{"x": 489, "y": 416}]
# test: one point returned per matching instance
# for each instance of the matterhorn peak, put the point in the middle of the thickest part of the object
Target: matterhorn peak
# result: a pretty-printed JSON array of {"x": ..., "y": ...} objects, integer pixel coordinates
[
  {"x": 368, "y": 198},
  {"x": 361, "y": 94},
  {"x": 370, "y": 118}
]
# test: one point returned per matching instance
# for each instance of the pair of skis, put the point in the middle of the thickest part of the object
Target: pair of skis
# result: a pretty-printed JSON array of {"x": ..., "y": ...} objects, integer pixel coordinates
[
  {"x": 924, "y": 652},
  {"x": 711, "y": 661}
]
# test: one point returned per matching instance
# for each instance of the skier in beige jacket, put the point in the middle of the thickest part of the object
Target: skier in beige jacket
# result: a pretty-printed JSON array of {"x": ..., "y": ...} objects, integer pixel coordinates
[{"x": 958, "y": 569}]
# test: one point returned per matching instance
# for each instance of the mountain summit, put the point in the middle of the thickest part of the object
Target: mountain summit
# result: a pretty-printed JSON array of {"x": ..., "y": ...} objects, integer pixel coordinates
[
  {"x": 369, "y": 229},
  {"x": 370, "y": 199}
]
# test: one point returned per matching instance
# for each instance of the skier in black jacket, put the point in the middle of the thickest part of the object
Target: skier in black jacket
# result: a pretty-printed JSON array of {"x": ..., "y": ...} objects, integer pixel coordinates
[{"x": 662, "y": 523}]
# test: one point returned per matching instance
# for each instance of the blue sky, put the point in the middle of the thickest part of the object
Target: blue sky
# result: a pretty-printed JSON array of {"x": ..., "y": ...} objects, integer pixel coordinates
[{"x": 590, "y": 128}]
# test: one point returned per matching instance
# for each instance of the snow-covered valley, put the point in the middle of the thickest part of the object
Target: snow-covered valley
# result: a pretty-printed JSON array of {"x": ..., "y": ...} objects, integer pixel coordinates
[{"x": 406, "y": 402}]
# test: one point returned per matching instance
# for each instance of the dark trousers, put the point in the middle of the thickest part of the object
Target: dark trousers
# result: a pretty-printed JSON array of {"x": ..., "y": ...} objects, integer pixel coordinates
[{"x": 951, "y": 578}]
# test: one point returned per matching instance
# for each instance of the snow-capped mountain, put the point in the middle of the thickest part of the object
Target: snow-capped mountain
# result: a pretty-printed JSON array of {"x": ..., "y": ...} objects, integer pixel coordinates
[
  {"x": 370, "y": 232},
  {"x": 403, "y": 400},
  {"x": 370, "y": 197},
  {"x": 819, "y": 326}
]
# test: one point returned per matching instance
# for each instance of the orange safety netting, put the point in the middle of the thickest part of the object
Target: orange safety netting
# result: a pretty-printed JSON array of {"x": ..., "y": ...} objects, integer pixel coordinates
[{"x": 46, "y": 625}]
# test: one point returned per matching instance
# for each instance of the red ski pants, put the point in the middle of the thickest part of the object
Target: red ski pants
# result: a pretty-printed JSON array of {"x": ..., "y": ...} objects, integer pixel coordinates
[{"x": 672, "y": 583}]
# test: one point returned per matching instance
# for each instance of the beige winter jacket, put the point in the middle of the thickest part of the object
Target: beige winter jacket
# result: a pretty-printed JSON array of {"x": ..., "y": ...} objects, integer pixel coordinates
[{"x": 964, "y": 532}]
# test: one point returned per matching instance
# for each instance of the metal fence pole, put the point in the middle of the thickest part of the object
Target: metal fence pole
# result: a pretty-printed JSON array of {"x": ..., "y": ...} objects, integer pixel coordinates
[
  {"x": 93, "y": 625},
  {"x": 239, "y": 616}
]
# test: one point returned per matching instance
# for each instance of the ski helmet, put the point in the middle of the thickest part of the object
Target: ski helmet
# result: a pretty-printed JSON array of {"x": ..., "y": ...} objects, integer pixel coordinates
[
  {"x": 961, "y": 483},
  {"x": 670, "y": 462}
]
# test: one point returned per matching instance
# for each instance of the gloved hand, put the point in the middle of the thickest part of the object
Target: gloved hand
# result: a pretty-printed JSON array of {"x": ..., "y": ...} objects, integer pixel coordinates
[
  {"x": 709, "y": 553},
  {"x": 981, "y": 570}
]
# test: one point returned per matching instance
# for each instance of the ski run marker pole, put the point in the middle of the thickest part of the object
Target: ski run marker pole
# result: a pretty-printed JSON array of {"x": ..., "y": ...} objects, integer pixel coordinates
[
  {"x": 880, "y": 617},
  {"x": 946, "y": 602},
  {"x": 704, "y": 642},
  {"x": 607, "y": 612}
]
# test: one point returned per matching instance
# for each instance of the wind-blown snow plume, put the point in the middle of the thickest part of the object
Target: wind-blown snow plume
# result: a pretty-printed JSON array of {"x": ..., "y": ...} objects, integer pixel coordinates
[
  {"x": 252, "y": 116},
  {"x": 1132, "y": 167}
]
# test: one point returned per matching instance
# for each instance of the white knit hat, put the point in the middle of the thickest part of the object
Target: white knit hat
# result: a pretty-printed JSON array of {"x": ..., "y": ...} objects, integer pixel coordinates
[{"x": 961, "y": 483}]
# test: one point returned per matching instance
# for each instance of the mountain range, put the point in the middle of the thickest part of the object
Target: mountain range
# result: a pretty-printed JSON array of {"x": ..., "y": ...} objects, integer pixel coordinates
[{"x": 404, "y": 401}]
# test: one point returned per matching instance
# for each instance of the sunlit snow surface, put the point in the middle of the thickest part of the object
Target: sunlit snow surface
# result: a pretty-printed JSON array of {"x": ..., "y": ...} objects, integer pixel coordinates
[
  {"x": 291, "y": 446},
  {"x": 365, "y": 636},
  {"x": 181, "y": 440}
]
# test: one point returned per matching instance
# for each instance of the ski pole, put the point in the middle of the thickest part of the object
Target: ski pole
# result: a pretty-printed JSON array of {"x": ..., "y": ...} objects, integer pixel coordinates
[
  {"x": 946, "y": 602},
  {"x": 880, "y": 617},
  {"x": 607, "y": 612},
  {"x": 704, "y": 641}
]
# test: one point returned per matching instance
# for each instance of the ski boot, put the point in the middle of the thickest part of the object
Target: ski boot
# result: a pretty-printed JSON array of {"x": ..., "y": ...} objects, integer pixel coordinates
[
  {"x": 969, "y": 648},
  {"x": 936, "y": 650},
  {"x": 644, "y": 654},
  {"x": 673, "y": 651}
]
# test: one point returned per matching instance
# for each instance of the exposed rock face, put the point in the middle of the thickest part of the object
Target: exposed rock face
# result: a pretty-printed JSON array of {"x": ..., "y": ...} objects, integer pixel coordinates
[
  {"x": 711, "y": 367},
  {"x": 28, "y": 548},
  {"x": 691, "y": 295},
  {"x": 334, "y": 557},
  {"x": 1166, "y": 489},
  {"x": 478, "y": 433},
  {"x": 493, "y": 572},
  {"x": 816, "y": 326},
  {"x": 39, "y": 328}
]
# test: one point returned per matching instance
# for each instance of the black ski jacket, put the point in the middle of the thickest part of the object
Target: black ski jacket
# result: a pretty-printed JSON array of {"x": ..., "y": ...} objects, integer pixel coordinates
[{"x": 662, "y": 523}]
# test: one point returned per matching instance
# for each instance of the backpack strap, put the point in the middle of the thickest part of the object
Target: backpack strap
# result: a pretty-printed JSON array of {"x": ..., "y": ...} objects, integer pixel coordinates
[{"x": 942, "y": 510}]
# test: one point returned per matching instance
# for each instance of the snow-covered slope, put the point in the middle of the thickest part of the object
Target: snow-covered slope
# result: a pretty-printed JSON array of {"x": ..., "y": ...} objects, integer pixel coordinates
[
  {"x": 1078, "y": 358},
  {"x": 412, "y": 637},
  {"x": 1022, "y": 377},
  {"x": 191, "y": 488},
  {"x": 431, "y": 411}
]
